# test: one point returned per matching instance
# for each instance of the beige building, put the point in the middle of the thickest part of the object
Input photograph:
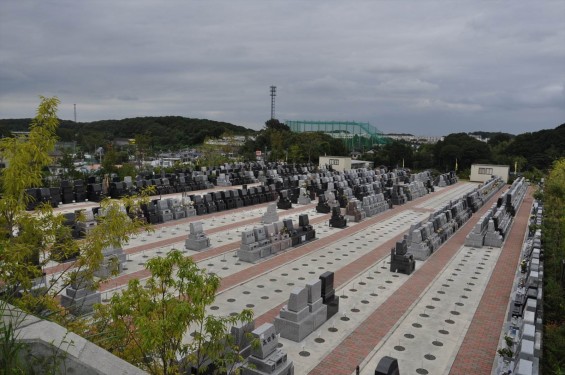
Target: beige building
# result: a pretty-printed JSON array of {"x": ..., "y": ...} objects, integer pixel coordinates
[
  {"x": 343, "y": 163},
  {"x": 483, "y": 172}
]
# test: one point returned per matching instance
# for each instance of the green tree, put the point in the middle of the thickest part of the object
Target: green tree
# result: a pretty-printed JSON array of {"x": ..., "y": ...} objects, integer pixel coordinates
[
  {"x": 553, "y": 233},
  {"x": 31, "y": 241},
  {"x": 146, "y": 324},
  {"x": 274, "y": 124}
]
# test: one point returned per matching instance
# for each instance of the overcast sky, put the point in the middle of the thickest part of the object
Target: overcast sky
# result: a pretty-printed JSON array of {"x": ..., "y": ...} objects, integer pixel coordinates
[{"x": 421, "y": 67}]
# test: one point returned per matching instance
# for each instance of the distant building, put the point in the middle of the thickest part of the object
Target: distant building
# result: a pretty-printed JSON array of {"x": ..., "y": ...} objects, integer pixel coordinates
[
  {"x": 483, "y": 172},
  {"x": 343, "y": 163},
  {"x": 414, "y": 139},
  {"x": 478, "y": 137}
]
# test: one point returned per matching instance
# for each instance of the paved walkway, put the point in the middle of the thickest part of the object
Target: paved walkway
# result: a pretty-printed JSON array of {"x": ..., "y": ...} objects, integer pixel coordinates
[
  {"x": 478, "y": 351},
  {"x": 174, "y": 239},
  {"x": 272, "y": 263},
  {"x": 359, "y": 344}
]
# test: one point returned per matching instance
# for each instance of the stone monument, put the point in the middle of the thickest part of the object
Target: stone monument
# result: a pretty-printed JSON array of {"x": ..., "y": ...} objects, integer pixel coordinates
[{"x": 196, "y": 240}]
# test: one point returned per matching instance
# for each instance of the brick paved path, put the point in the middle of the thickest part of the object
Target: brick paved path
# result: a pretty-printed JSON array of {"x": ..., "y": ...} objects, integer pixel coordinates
[
  {"x": 478, "y": 350},
  {"x": 239, "y": 278},
  {"x": 171, "y": 240},
  {"x": 359, "y": 344}
]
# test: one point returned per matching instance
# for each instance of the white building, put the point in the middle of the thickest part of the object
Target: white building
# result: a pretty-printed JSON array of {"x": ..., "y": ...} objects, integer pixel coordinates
[
  {"x": 343, "y": 163},
  {"x": 483, "y": 172}
]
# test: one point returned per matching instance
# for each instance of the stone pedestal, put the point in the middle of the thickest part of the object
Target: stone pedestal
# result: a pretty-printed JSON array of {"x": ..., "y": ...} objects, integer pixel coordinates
[
  {"x": 337, "y": 220},
  {"x": 304, "y": 313},
  {"x": 400, "y": 260},
  {"x": 354, "y": 211},
  {"x": 79, "y": 298},
  {"x": 271, "y": 215},
  {"x": 114, "y": 260},
  {"x": 303, "y": 198},
  {"x": 267, "y": 358},
  {"x": 327, "y": 292},
  {"x": 197, "y": 240}
]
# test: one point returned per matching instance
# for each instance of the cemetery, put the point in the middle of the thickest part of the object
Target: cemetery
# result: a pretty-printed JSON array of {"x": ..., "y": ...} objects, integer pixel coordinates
[{"x": 321, "y": 257}]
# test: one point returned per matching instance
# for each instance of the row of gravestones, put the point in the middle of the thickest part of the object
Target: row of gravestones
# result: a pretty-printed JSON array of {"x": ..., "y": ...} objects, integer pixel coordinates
[
  {"x": 425, "y": 237},
  {"x": 164, "y": 210},
  {"x": 94, "y": 188},
  {"x": 525, "y": 328},
  {"x": 446, "y": 179},
  {"x": 264, "y": 241},
  {"x": 493, "y": 226},
  {"x": 307, "y": 309}
]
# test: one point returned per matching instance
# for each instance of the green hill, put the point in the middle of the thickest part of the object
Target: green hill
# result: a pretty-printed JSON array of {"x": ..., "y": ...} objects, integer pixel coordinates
[{"x": 168, "y": 132}]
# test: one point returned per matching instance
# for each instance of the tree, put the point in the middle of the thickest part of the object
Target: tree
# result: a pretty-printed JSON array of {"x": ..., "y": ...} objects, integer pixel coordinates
[
  {"x": 274, "y": 124},
  {"x": 553, "y": 232},
  {"x": 146, "y": 325},
  {"x": 31, "y": 241}
]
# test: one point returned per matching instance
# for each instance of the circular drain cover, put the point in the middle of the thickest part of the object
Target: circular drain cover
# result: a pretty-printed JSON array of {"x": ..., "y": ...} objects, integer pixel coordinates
[
  {"x": 421, "y": 371},
  {"x": 214, "y": 308},
  {"x": 280, "y": 345},
  {"x": 374, "y": 295},
  {"x": 436, "y": 299},
  {"x": 459, "y": 303},
  {"x": 355, "y": 310},
  {"x": 437, "y": 343},
  {"x": 304, "y": 353},
  {"x": 250, "y": 305},
  {"x": 265, "y": 297},
  {"x": 399, "y": 348},
  {"x": 365, "y": 301},
  {"x": 430, "y": 357},
  {"x": 449, "y": 321},
  {"x": 441, "y": 292},
  {"x": 455, "y": 312},
  {"x": 430, "y": 307},
  {"x": 278, "y": 291},
  {"x": 231, "y": 300},
  {"x": 352, "y": 290},
  {"x": 443, "y": 332},
  {"x": 416, "y": 325},
  {"x": 319, "y": 340},
  {"x": 345, "y": 318},
  {"x": 344, "y": 296},
  {"x": 409, "y": 335},
  {"x": 362, "y": 283},
  {"x": 246, "y": 292},
  {"x": 424, "y": 315},
  {"x": 332, "y": 329}
]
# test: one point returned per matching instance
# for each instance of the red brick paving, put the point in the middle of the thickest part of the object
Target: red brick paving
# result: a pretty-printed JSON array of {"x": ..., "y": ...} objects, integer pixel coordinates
[
  {"x": 478, "y": 350},
  {"x": 165, "y": 242},
  {"x": 359, "y": 344},
  {"x": 277, "y": 261},
  {"x": 284, "y": 257}
]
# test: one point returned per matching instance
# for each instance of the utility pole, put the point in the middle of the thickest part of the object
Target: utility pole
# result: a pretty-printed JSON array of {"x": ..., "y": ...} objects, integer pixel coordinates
[{"x": 75, "y": 112}]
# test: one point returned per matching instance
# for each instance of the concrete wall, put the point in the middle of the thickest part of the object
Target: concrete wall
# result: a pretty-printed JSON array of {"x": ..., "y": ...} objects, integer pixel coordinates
[
  {"x": 483, "y": 172},
  {"x": 338, "y": 163},
  {"x": 49, "y": 343}
]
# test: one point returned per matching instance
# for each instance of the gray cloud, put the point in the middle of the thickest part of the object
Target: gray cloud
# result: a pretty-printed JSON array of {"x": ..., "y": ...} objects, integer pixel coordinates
[{"x": 431, "y": 67}]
